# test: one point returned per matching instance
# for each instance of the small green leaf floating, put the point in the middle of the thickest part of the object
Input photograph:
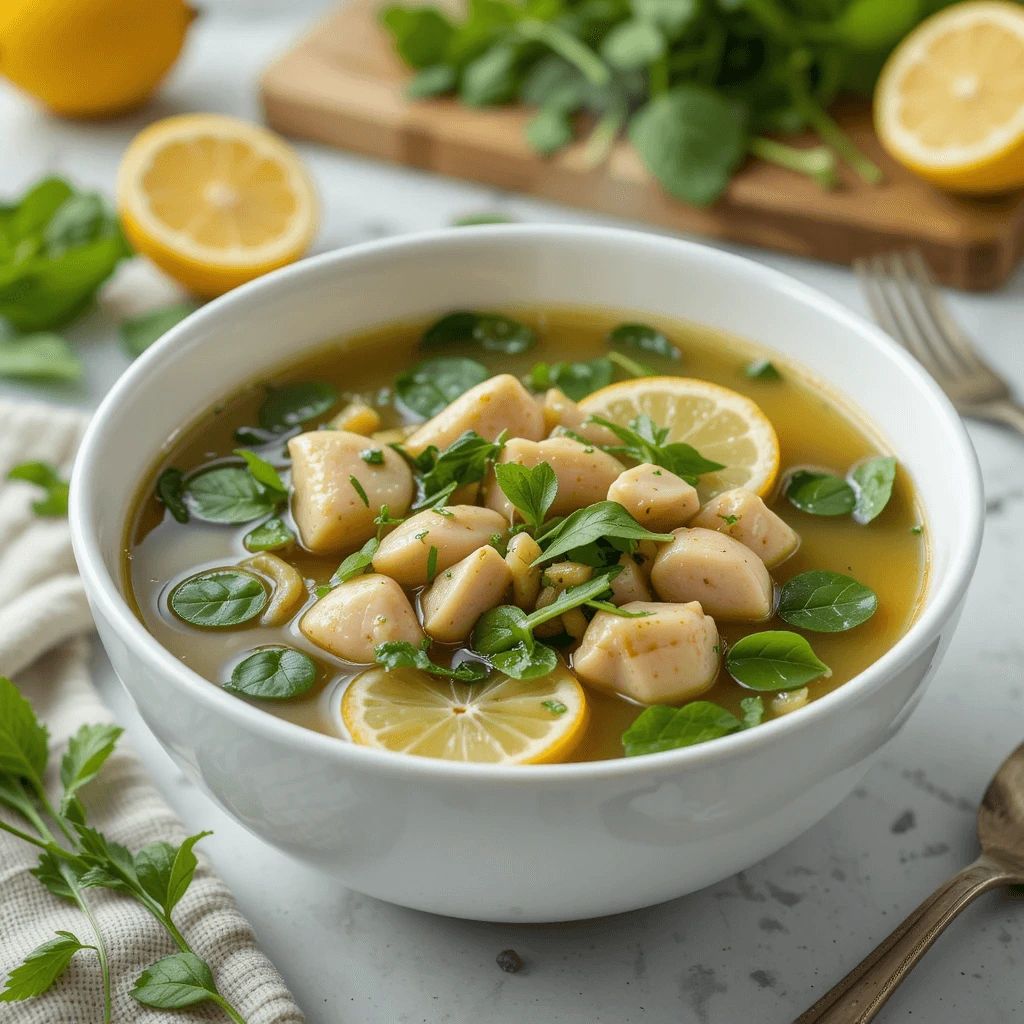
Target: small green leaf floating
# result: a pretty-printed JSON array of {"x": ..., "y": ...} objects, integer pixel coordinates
[
  {"x": 775, "y": 660},
  {"x": 170, "y": 489},
  {"x": 826, "y": 602},
  {"x": 526, "y": 662},
  {"x": 644, "y": 338},
  {"x": 762, "y": 369},
  {"x": 229, "y": 494},
  {"x": 872, "y": 481},
  {"x": 292, "y": 404},
  {"x": 273, "y": 535},
  {"x": 820, "y": 494},
  {"x": 430, "y": 386},
  {"x": 401, "y": 654},
  {"x": 273, "y": 673},
  {"x": 263, "y": 471},
  {"x": 492, "y": 332},
  {"x": 661, "y": 727},
  {"x": 574, "y": 380},
  {"x": 217, "y": 599}
]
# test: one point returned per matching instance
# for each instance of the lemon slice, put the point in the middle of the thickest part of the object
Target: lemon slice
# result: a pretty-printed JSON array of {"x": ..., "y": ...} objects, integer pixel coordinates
[
  {"x": 721, "y": 424},
  {"x": 215, "y": 201},
  {"x": 949, "y": 103},
  {"x": 501, "y": 721}
]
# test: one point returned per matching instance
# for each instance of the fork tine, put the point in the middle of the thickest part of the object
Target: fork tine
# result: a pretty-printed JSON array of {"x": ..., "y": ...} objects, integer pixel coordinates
[
  {"x": 872, "y": 289},
  {"x": 895, "y": 317}
]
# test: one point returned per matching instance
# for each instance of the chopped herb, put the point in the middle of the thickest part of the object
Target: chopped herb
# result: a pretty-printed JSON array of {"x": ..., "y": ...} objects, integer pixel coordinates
[
  {"x": 400, "y": 654},
  {"x": 556, "y": 707},
  {"x": 263, "y": 471},
  {"x": 358, "y": 488},
  {"x": 354, "y": 565},
  {"x": 730, "y": 520},
  {"x": 917, "y": 530},
  {"x": 762, "y": 369},
  {"x": 431, "y": 564},
  {"x": 420, "y": 536},
  {"x": 464, "y": 461},
  {"x": 372, "y": 456}
]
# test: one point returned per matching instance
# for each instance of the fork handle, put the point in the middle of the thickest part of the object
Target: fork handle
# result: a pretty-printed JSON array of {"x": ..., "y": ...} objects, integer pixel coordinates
[
  {"x": 862, "y": 993},
  {"x": 1002, "y": 411}
]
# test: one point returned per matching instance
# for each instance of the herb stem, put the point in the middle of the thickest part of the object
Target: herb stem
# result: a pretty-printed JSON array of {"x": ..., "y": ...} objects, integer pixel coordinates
[
  {"x": 631, "y": 366},
  {"x": 52, "y": 812},
  {"x": 100, "y": 947},
  {"x": 568, "y": 46},
  {"x": 658, "y": 83},
  {"x": 818, "y": 163},
  {"x": 172, "y": 930},
  {"x": 599, "y": 145},
  {"x": 228, "y": 1009},
  {"x": 834, "y": 136},
  {"x": 4, "y": 827}
]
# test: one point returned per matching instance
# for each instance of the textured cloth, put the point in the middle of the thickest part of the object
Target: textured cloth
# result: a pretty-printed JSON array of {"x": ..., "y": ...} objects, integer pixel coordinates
[{"x": 43, "y": 616}]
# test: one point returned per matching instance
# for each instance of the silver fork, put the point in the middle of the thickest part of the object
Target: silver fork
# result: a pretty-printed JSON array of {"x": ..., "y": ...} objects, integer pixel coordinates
[{"x": 905, "y": 301}]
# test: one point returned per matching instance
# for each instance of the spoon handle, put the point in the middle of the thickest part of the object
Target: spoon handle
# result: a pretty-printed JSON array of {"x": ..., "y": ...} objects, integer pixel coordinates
[{"x": 862, "y": 993}]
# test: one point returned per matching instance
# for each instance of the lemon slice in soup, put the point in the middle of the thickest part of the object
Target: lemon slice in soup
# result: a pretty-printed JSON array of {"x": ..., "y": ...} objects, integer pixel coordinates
[
  {"x": 501, "y": 721},
  {"x": 722, "y": 425}
]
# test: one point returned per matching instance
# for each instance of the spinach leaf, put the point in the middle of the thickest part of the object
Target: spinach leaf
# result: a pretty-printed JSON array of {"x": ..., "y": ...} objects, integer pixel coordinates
[
  {"x": 219, "y": 598},
  {"x": 644, "y": 338},
  {"x": 464, "y": 461},
  {"x": 526, "y": 662},
  {"x": 292, "y": 404},
  {"x": 774, "y": 660},
  {"x": 644, "y": 441},
  {"x": 262, "y": 471},
  {"x": 273, "y": 535},
  {"x": 432, "y": 385},
  {"x": 175, "y": 982},
  {"x": 422, "y": 34},
  {"x": 605, "y": 519},
  {"x": 42, "y": 357},
  {"x": 826, "y": 602},
  {"x": 139, "y": 332},
  {"x": 500, "y": 629},
  {"x": 273, "y": 673},
  {"x": 42, "y": 474},
  {"x": 492, "y": 332},
  {"x": 229, "y": 494},
  {"x": 692, "y": 139},
  {"x": 761, "y": 369},
  {"x": 753, "y": 711},
  {"x": 872, "y": 482},
  {"x": 661, "y": 727},
  {"x": 170, "y": 490},
  {"x": 400, "y": 654},
  {"x": 574, "y": 380},
  {"x": 532, "y": 491},
  {"x": 354, "y": 565},
  {"x": 820, "y": 494},
  {"x": 41, "y": 968}
]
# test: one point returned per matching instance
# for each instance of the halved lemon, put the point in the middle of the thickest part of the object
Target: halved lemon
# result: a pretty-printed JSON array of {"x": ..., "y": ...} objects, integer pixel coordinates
[
  {"x": 215, "y": 201},
  {"x": 502, "y": 721},
  {"x": 949, "y": 103},
  {"x": 722, "y": 425}
]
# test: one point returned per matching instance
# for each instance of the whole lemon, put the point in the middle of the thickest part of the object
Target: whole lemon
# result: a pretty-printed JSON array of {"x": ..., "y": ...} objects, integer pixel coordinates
[{"x": 90, "y": 58}]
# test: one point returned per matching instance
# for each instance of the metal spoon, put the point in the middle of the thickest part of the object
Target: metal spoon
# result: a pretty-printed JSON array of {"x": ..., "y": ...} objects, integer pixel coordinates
[{"x": 864, "y": 991}]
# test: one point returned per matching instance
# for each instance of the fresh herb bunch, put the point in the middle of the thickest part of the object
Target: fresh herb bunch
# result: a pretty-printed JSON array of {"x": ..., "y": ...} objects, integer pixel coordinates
[
  {"x": 75, "y": 858},
  {"x": 695, "y": 85}
]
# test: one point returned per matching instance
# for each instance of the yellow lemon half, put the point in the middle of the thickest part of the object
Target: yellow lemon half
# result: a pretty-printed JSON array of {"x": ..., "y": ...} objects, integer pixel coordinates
[
  {"x": 949, "y": 104},
  {"x": 722, "y": 425},
  {"x": 215, "y": 201},
  {"x": 501, "y": 721}
]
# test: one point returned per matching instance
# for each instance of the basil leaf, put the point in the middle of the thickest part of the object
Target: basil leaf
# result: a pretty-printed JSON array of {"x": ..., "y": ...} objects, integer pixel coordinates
[
  {"x": 644, "y": 441},
  {"x": 87, "y": 752},
  {"x": 292, "y": 404},
  {"x": 43, "y": 357},
  {"x": 223, "y": 597},
  {"x": 42, "y": 474},
  {"x": 165, "y": 871},
  {"x": 354, "y": 565},
  {"x": 753, "y": 711},
  {"x": 170, "y": 490},
  {"x": 175, "y": 982},
  {"x": 24, "y": 740},
  {"x": 526, "y": 661},
  {"x": 872, "y": 481},
  {"x": 644, "y": 338},
  {"x": 262, "y": 470},
  {"x": 400, "y": 654},
  {"x": 605, "y": 519},
  {"x": 74, "y": 223},
  {"x": 41, "y": 968},
  {"x": 464, "y": 461},
  {"x": 549, "y": 130},
  {"x": 139, "y": 332},
  {"x": 372, "y": 456},
  {"x": 761, "y": 369},
  {"x": 273, "y": 673},
  {"x": 531, "y": 490},
  {"x": 432, "y": 385},
  {"x": 574, "y": 380},
  {"x": 493, "y": 333},
  {"x": 826, "y": 602},
  {"x": 272, "y": 535},
  {"x": 661, "y": 727},
  {"x": 774, "y": 660},
  {"x": 228, "y": 494},
  {"x": 500, "y": 629},
  {"x": 820, "y": 494}
]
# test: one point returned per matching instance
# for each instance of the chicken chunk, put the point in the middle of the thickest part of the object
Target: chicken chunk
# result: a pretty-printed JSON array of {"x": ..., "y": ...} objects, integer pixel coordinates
[
  {"x": 329, "y": 511},
  {"x": 522, "y": 551},
  {"x": 745, "y": 517},
  {"x": 461, "y": 594},
  {"x": 358, "y": 418},
  {"x": 655, "y": 497},
  {"x": 584, "y": 473},
  {"x": 498, "y": 404},
  {"x": 631, "y": 583},
  {"x": 351, "y": 620},
  {"x": 728, "y": 580},
  {"x": 405, "y": 552},
  {"x": 561, "y": 413},
  {"x": 666, "y": 657}
]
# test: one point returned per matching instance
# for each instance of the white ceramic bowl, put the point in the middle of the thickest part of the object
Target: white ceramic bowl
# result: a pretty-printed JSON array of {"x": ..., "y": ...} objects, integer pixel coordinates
[{"x": 543, "y": 843}]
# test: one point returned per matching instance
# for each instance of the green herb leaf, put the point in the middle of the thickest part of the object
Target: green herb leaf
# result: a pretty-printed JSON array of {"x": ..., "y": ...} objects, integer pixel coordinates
[
  {"x": 87, "y": 752},
  {"x": 531, "y": 490},
  {"x": 273, "y": 535},
  {"x": 42, "y": 357},
  {"x": 872, "y": 482},
  {"x": 262, "y": 470},
  {"x": 422, "y": 34},
  {"x": 753, "y": 711},
  {"x": 229, "y": 494},
  {"x": 139, "y": 332},
  {"x": 820, "y": 494},
  {"x": 165, "y": 871},
  {"x": 549, "y": 130},
  {"x": 15, "y": 797},
  {"x": 111, "y": 865},
  {"x": 661, "y": 727},
  {"x": 297, "y": 403},
  {"x": 175, "y": 982},
  {"x": 633, "y": 44},
  {"x": 273, "y": 673},
  {"x": 526, "y": 661},
  {"x": 435, "y": 80},
  {"x": 556, "y": 707},
  {"x": 605, "y": 519},
  {"x": 644, "y": 338},
  {"x": 472, "y": 220},
  {"x": 74, "y": 223},
  {"x": 354, "y": 565},
  {"x": 644, "y": 441},
  {"x": 43, "y": 475},
  {"x": 51, "y": 873},
  {"x": 400, "y": 654},
  {"x": 493, "y": 333},
  {"x": 223, "y": 597},
  {"x": 430, "y": 386},
  {"x": 170, "y": 490},
  {"x": 575, "y": 597},
  {"x": 917, "y": 530},
  {"x": 41, "y": 968},
  {"x": 491, "y": 78},
  {"x": 826, "y": 602},
  {"x": 358, "y": 488},
  {"x": 372, "y": 456},
  {"x": 761, "y": 369},
  {"x": 774, "y": 660},
  {"x": 464, "y": 461},
  {"x": 500, "y": 629},
  {"x": 574, "y": 380},
  {"x": 431, "y": 564},
  {"x": 24, "y": 740}
]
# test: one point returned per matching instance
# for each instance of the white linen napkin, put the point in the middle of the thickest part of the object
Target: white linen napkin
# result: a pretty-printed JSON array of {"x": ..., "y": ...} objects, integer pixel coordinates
[{"x": 43, "y": 648}]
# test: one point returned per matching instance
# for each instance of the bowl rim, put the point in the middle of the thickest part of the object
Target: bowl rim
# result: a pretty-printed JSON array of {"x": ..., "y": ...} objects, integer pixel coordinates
[{"x": 103, "y": 591}]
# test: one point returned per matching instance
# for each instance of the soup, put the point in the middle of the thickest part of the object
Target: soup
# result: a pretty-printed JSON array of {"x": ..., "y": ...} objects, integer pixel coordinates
[{"x": 529, "y": 535}]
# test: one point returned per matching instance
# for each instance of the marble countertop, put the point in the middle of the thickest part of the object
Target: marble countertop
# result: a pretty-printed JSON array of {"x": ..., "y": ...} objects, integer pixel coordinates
[{"x": 758, "y": 947}]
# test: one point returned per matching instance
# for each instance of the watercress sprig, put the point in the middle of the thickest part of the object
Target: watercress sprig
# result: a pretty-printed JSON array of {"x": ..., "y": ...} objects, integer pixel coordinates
[
  {"x": 401, "y": 654},
  {"x": 605, "y": 521},
  {"x": 532, "y": 490},
  {"x": 359, "y": 561},
  {"x": 440, "y": 474}
]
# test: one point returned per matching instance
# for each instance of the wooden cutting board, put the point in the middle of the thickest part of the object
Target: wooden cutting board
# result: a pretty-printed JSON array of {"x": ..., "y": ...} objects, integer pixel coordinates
[{"x": 343, "y": 85}]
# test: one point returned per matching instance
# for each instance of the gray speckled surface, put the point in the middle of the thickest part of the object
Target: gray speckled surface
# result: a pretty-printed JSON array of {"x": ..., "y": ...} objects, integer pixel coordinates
[{"x": 758, "y": 947}]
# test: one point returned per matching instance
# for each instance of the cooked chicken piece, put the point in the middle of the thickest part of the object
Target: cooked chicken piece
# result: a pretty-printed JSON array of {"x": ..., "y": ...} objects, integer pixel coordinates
[
  {"x": 552, "y": 627},
  {"x": 561, "y": 413},
  {"x": 394, "y": 435},
  {"x": 646, "y": 552},
  {"x": 328, "y": 509},
  {"x": 655, "y": 497},
  {"x": 461, "y": 594},
  {"x": 289, "y": 589},
  {"x": 667, "y": 657},
  {"x": 728, "y": 580},
  {"x": 745, "y": 517},
  {"x": 351, "y": 620},
  {"x": 358, "y": 418},
  {"x": 557, "y": 577},
  {"x": 562, "y": 575},
  {"x": 631, "y": 583},
  {"x": 522, "y": 550},
  {"x": 498, "y": 404},
  {"x": 456, "y": 532},
  {"x": 584, "y": 473},
  {"x": 575, "y": 623}
]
